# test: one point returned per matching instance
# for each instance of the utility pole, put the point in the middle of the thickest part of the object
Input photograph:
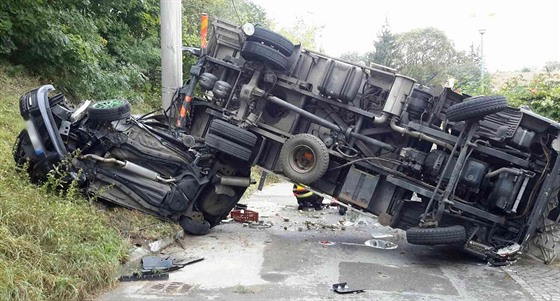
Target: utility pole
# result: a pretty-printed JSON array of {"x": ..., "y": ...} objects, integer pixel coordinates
[
  {"x": 171, "y": 50},
  {"x": 482, "y": 31}
]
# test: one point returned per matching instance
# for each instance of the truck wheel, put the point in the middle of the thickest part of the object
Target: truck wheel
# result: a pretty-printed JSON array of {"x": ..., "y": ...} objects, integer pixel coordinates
[
  {"x": 476, "y": 107},
  {"x": 253, "y": 51},
  {"x": 225, "y": 129},
  {"x": 436, "y": 236},
  {"x": 194, "y": 227},
  {"x": 273, "y": 39},
  {"x": 109, "y": 110},
  {"x": 227, "y": 146},
  {"x": 304, "y": 158}
]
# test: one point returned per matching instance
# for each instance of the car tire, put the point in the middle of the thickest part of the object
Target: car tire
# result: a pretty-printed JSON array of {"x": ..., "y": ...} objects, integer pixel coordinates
[
  {"x": 253, "y": 51},
  {"x": 436, "y": 236},
  {"x": 227, "y": 130},
  {"x": 476, "y": 107},
  {"x": 227, "y": 146},
  {"x": 270, "y": 38},
  {"x": 109, "y": 110},
  {"x": 304, "y": 158},
  {"x": 194, "y": 227}
]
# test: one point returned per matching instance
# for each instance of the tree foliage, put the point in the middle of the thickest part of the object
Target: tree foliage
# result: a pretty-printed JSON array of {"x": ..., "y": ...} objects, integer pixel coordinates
[
  {"x": 302, "y": 32},
  {"x": 354, "y": 57},
  {"x": 101, "y": 48},
  {"x": 541, "y": 94},
  {"x": 91, "y": 49},
  {"x": 385, "y": 48},
  {"x": 425, "y": 54}
]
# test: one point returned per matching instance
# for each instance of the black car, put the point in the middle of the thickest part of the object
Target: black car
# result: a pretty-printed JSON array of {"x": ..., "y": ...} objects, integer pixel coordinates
[{"x": 445, "y": 167}]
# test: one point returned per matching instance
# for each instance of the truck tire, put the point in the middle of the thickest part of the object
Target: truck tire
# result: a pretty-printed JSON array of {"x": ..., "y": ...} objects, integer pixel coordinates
[
  {"x": 304, "y": 158},
  {"x": 225, "y": 129},
  {"x": 194, "y": 227},
  {"x": 436, "y": 236},
  {"x": 253, "y": 51},
  {"x": 476, "y": 107},
  {"x": 227, "y": 146},
  {"x": 109, "y": 110},
  {"x": 273, "y": 39}
]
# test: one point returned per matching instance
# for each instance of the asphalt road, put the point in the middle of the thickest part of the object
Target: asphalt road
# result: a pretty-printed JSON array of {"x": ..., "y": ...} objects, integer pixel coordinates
[{"x": 287, "y": 262}]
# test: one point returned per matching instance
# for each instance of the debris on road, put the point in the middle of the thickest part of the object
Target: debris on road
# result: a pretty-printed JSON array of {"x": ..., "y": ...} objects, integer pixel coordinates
[
  {"x": 342, "y": 288},
  {"x": 137, "y": 276},
  {"x": 244, "y": 215},
  {"x": 157, "y": 268},
  {"x": 371, "y": 243},
  {"x": 380, "y": 244}
]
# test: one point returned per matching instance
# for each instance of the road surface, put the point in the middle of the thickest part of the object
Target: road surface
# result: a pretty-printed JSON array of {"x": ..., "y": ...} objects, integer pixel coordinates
[{"x": 287, "y": 262}]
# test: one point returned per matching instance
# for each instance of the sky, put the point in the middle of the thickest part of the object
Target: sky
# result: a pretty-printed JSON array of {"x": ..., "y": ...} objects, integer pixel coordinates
[{"x": 517, "y": 34}]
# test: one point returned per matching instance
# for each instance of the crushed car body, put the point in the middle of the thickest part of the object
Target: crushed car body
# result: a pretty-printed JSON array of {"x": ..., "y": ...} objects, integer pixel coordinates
[{"x": 447, "y": 168}]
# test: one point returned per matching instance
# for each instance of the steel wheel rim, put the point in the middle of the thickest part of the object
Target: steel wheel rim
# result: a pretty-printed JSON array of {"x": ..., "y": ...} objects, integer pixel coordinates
[{"x": 302, "y": 158}]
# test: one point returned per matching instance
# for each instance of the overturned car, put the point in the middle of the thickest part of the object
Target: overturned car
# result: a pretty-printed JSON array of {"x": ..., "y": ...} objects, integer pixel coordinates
[{"x": 445, "y": 167}]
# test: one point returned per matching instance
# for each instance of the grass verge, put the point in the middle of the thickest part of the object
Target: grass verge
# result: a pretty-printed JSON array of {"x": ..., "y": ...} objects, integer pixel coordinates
[{"x": 54, "y": 247}]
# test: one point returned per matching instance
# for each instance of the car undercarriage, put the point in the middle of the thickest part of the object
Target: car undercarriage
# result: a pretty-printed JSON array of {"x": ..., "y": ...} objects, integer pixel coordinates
[{"x": 445, "y": 167}]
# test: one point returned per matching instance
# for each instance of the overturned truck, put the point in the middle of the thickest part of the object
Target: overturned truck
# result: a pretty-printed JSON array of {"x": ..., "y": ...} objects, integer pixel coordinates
[{"x": 445, "y": 167}]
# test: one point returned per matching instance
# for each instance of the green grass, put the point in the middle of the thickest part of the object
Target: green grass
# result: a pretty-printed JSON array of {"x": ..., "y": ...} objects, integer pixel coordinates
[{"x": 52, "y": 247}]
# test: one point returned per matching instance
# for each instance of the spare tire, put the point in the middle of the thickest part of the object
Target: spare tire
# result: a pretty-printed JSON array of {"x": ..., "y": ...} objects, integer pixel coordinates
[
  {"x": 109, "y": 110},
  {"x": 304, "y": 158},
  {"x": 270, "y": 38},
  {"x": 476, "y": 107},
  {"x": 437, "y": 236},
  {"x": 254, "y": 51}
]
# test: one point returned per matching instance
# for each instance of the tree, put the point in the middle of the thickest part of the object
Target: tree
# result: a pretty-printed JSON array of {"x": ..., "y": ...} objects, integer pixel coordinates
[
  {"x": 466, "y": 72},
  {"x": 541, "y": 94},
  {"x": 101, "y": 49},
  {"x": 427, "y": 55},
  {"x": 385, "y": 47},
  {"x": 354, "y": 57},
  {"x": 303, "y": 32},
  {"x": 552, "y": 66}
]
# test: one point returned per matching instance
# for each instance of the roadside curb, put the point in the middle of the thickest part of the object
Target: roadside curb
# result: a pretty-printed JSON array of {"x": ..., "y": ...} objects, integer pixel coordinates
[
  {"x": 522, "y": 283},
  {"x": 154, "y": 246}
]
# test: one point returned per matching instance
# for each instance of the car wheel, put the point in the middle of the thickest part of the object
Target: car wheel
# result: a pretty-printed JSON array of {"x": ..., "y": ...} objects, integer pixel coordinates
[
  {"x": 227, "y": 146},
  {"x": 253, "y": 51},
  {"x": 273, "y": 39},
  {"x": 304, "y": 158},
  {"x": 19, "y": 152},
  {"x": 476, "y": 107},
  {"x": 194, "y": 227},
  {"x": 225, "y": 129},
  {"x": 109, "y": 110},
  {"x": 436, "y": 236}
]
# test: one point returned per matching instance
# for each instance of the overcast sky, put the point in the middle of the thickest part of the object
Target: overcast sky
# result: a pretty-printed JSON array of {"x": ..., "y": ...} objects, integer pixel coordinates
[{"x": 518, "y": 33}]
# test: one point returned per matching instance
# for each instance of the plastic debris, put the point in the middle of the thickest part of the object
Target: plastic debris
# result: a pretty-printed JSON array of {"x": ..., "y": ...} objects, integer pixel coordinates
[{"x": 342, "y": 288}]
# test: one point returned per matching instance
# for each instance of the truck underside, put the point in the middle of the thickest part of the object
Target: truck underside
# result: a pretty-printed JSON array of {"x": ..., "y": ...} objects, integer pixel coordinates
[{"x": 445, "y": 167}]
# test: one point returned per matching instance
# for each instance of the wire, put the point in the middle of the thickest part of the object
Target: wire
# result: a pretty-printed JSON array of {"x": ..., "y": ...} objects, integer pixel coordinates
[
  {"x": 235, "y": 8},
  {"x": 366, "y": 159}
]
